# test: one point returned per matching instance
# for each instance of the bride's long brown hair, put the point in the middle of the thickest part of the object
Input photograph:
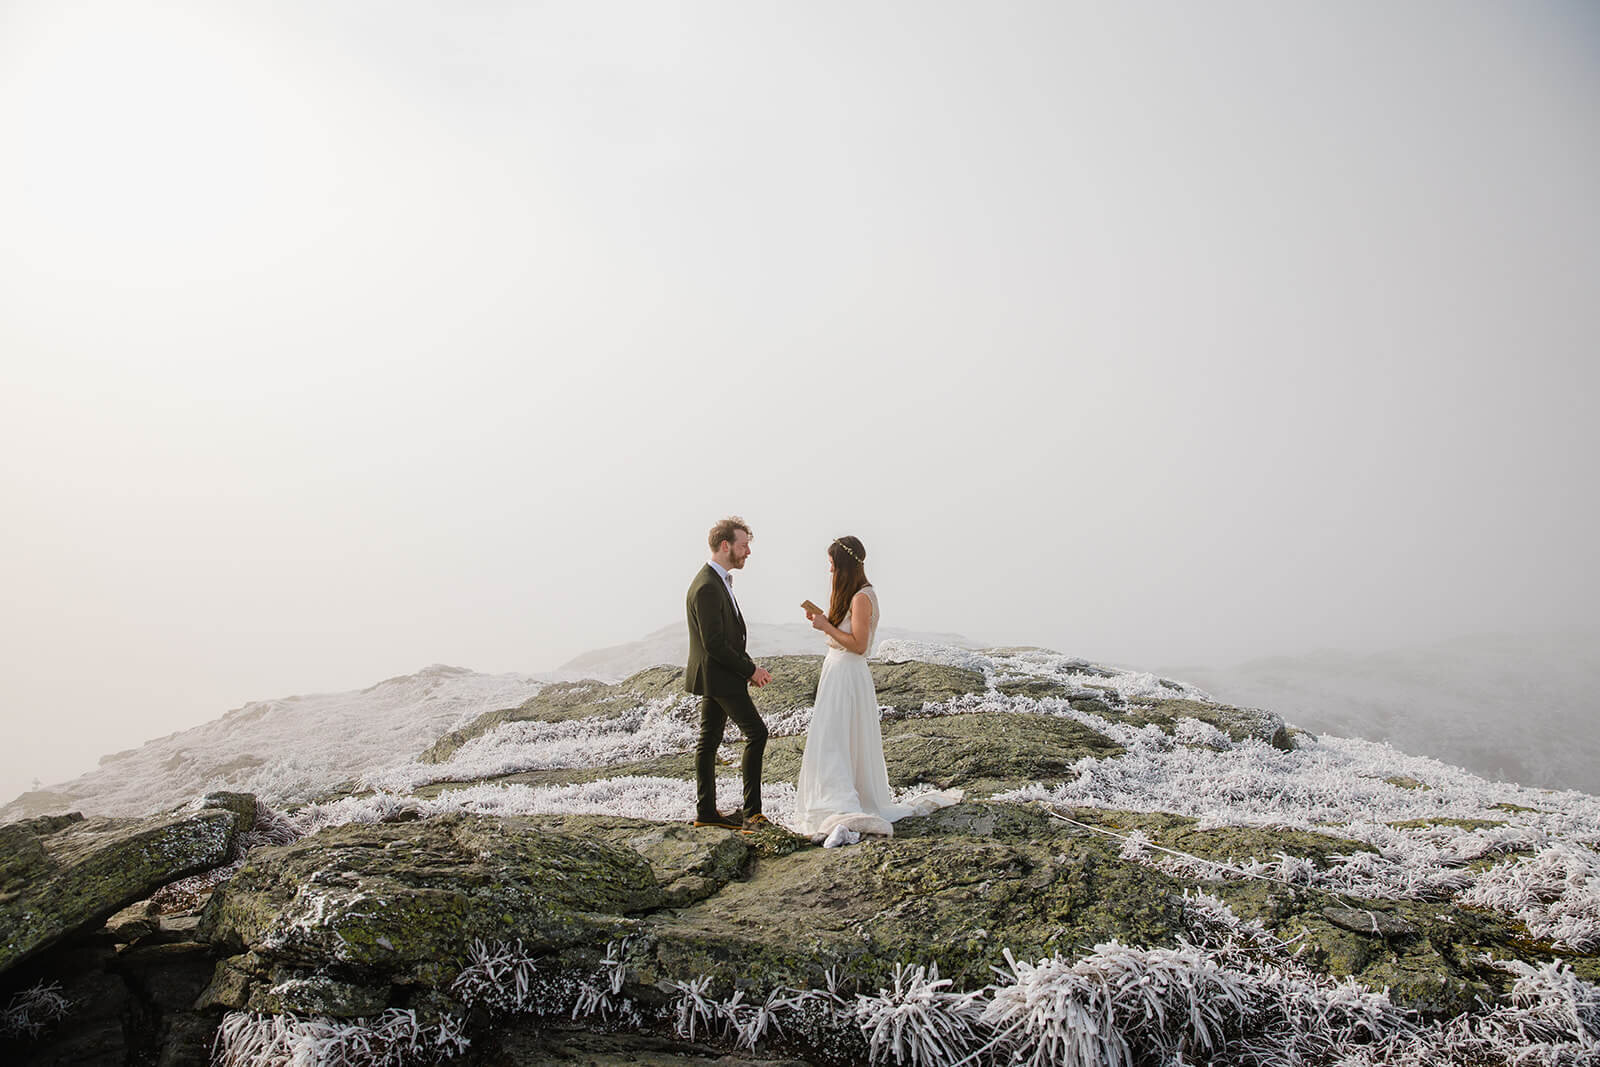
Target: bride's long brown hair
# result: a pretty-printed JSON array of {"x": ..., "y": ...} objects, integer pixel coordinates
[{"x": 849, "y": 557}]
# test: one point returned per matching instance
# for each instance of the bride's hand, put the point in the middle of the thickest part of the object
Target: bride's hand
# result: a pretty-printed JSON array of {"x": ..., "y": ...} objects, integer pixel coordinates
[{"x": 819, "y": 621}]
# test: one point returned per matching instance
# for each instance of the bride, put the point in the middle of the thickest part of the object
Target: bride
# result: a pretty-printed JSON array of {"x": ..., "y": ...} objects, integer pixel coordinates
[{"x": 844, "y": 789}]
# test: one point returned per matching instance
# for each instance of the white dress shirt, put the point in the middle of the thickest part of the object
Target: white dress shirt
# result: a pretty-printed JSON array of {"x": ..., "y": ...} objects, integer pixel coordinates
[{"x": 727, "y": 583}]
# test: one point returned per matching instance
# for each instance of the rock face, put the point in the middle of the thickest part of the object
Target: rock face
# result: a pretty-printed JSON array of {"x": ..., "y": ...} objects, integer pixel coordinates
[
  {"x": 60, "y": 874},
  {"x": 397, "y": 905},
  {"x": 356, "y": 918}
]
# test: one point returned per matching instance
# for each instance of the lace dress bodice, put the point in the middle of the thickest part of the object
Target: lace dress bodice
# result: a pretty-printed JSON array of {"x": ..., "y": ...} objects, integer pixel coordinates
[{"x": 872, "y": 631}]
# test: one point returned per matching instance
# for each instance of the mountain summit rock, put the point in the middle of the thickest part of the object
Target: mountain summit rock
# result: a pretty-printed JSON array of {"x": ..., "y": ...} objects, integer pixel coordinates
[{"x": 1138, "y": 869}]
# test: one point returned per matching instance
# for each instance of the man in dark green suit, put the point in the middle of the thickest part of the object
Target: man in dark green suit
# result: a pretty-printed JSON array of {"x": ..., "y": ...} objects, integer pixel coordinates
[{"x": 721, "y": 672}]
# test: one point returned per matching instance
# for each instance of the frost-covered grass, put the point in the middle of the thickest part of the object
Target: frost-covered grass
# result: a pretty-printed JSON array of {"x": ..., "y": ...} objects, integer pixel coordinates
[
  {"x": 1230, "y": 993},
  {"x": 286, "y": 751},
  {"x": 662, "y": 799},
  {"x": 1347, "y": 788},
  {"x": 670, "y": 724},
  {"x": 1556, "y": 893},
  {"x": 33, "y": 1010},
  {"x": 1339, "y": 786},
  {"x": 654, "y": 728},
  {"x": 1227, "y": 993},
  {"x": 919, "y": 1019},
  {"x": 395, "y": 1039}
]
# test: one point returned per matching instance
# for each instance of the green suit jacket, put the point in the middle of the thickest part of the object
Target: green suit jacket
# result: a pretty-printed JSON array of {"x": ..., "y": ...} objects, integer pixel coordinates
[{"x": 718, "y": 665}]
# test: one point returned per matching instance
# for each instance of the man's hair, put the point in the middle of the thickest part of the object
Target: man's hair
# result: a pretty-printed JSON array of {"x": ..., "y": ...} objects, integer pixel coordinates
[{"x": 723, "y": 531}]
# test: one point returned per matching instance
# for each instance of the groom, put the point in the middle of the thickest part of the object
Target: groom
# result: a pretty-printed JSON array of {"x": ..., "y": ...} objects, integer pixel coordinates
[{"x": 720, "y": 671}]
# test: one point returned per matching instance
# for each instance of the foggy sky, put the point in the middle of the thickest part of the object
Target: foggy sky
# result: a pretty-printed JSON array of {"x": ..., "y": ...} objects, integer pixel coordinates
[{"x": 343, "y": 338}]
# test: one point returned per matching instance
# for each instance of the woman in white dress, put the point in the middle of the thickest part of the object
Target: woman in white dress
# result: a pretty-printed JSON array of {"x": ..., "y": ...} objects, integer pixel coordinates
[{"x": 844, "y": 785}]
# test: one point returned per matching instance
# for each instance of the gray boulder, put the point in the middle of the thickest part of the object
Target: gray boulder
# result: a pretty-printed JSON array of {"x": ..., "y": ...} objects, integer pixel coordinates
[{"x": 64, "y": 873}]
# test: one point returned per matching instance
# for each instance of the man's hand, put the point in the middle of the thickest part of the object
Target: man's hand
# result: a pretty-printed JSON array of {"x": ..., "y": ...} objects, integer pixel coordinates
[{"x": 761, "y": 677}]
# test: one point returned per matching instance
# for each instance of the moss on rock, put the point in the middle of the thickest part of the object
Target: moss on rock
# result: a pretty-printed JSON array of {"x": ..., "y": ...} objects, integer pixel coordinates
[
  {"x": 60, "y": 874},
  {"x": 1238, "y": 723},
  {"x": 957, "y": 886},
  {"x": 988, "y": 753},
  {"x": 983, "y": 753},
  {"x": 903, "y": 686},
  {"x": 400, "y": 903}
]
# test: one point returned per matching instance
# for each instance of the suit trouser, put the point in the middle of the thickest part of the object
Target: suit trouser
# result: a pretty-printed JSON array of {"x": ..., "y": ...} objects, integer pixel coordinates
[{"x": 715, "y": 711}]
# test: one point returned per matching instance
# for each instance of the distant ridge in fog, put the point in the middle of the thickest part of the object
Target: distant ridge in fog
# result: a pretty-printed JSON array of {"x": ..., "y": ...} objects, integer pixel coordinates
[
  {"x": 670, "y": 644},
  {"x": 1519, "y": 707}
]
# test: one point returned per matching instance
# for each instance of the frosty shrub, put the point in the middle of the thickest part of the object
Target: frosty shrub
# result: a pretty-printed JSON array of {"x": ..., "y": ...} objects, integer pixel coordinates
[
  {"x": 1556, "y": 893},
  {"x": 499, "y": 976},
  {"x": 1347, "y": 788},
  {"x": 271, "y": 828},
  {"x": 1554, "y": 993},
  {"x": 32, "y": 1011},
  {"x": 1116, "y": 1007},
  {"x": 694, "y": 1009},
  {"x": 394, "y": 1039},
  {"x": 644, "y": 731},
  {"x": 1552, "y": 1021},
  {"x": 503, "y": 978},
  {"x": 627, "y": 796},
  {"x": 918, "y": 1019}
]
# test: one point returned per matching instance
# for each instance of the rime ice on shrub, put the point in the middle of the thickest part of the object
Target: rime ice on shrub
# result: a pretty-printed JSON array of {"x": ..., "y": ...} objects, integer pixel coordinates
[
  {"x": 1115, "y": 1007},
  {"x": 32, "y": 1011},
  {"x": 1556, "y": 893},
  {"x": 394, "y": 1039},
  {"x": 918, "y": 1019}
]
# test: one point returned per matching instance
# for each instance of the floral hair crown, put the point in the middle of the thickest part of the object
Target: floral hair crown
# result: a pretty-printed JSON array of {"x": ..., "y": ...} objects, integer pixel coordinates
[{"x": 846, "y": 547}]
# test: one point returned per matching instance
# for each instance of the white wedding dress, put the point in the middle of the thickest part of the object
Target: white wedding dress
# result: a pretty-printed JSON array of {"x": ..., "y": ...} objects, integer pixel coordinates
[{"x": 843, "y": 780}]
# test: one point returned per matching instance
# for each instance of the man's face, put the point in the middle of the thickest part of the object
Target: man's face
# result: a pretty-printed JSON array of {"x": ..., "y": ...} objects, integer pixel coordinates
[{"x": 739, "y": 550}]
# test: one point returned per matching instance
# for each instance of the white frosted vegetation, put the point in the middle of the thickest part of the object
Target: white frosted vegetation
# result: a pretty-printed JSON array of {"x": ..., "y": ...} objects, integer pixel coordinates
[
  {"x": 1556, "y": 893},
  {"x": 662, "y": 799},
  {"x": 1114, "y": 1005},
  {"x": 654, "y": 728},
  {"x": 395, "y": 1039},
  {"x": 1232, "y": 992},
  {"x": 288, "y": 750},
  {"x": 1354, "y": 789},
  {"x": 33, "y": 1010},
  {"x": 920, "y": 1019},
  {"x": 668, "y": 725},
  {"x": 1338, "y": 786}
]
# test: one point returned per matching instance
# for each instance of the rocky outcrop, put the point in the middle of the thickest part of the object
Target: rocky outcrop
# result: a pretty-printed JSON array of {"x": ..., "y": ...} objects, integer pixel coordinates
[
  {"x": 614, "y": 938},
  {"x": 61, "y": 874},
  {"x": 356, "y": 918},
  {"x": 382, "y": 906},
  {"x": 975, "y": 751},
  {"x": 900, "y": 685}
]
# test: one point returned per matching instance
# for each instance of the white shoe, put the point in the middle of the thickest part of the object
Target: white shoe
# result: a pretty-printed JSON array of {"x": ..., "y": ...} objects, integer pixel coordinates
[{"x": 842, "y": 835}]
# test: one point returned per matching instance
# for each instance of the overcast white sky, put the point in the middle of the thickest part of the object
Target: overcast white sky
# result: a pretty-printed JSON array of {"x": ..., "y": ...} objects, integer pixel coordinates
[{"x": 343, "y": 338}]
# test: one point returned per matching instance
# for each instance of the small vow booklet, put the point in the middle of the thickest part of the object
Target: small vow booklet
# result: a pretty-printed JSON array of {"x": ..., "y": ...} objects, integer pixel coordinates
[{"x": 811, "y": 609}]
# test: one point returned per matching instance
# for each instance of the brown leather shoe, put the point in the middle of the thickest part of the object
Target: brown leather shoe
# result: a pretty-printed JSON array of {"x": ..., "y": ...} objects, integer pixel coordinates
[
  {"x": 721, "y": 821},
  {"x": 756, "y": 822}
]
